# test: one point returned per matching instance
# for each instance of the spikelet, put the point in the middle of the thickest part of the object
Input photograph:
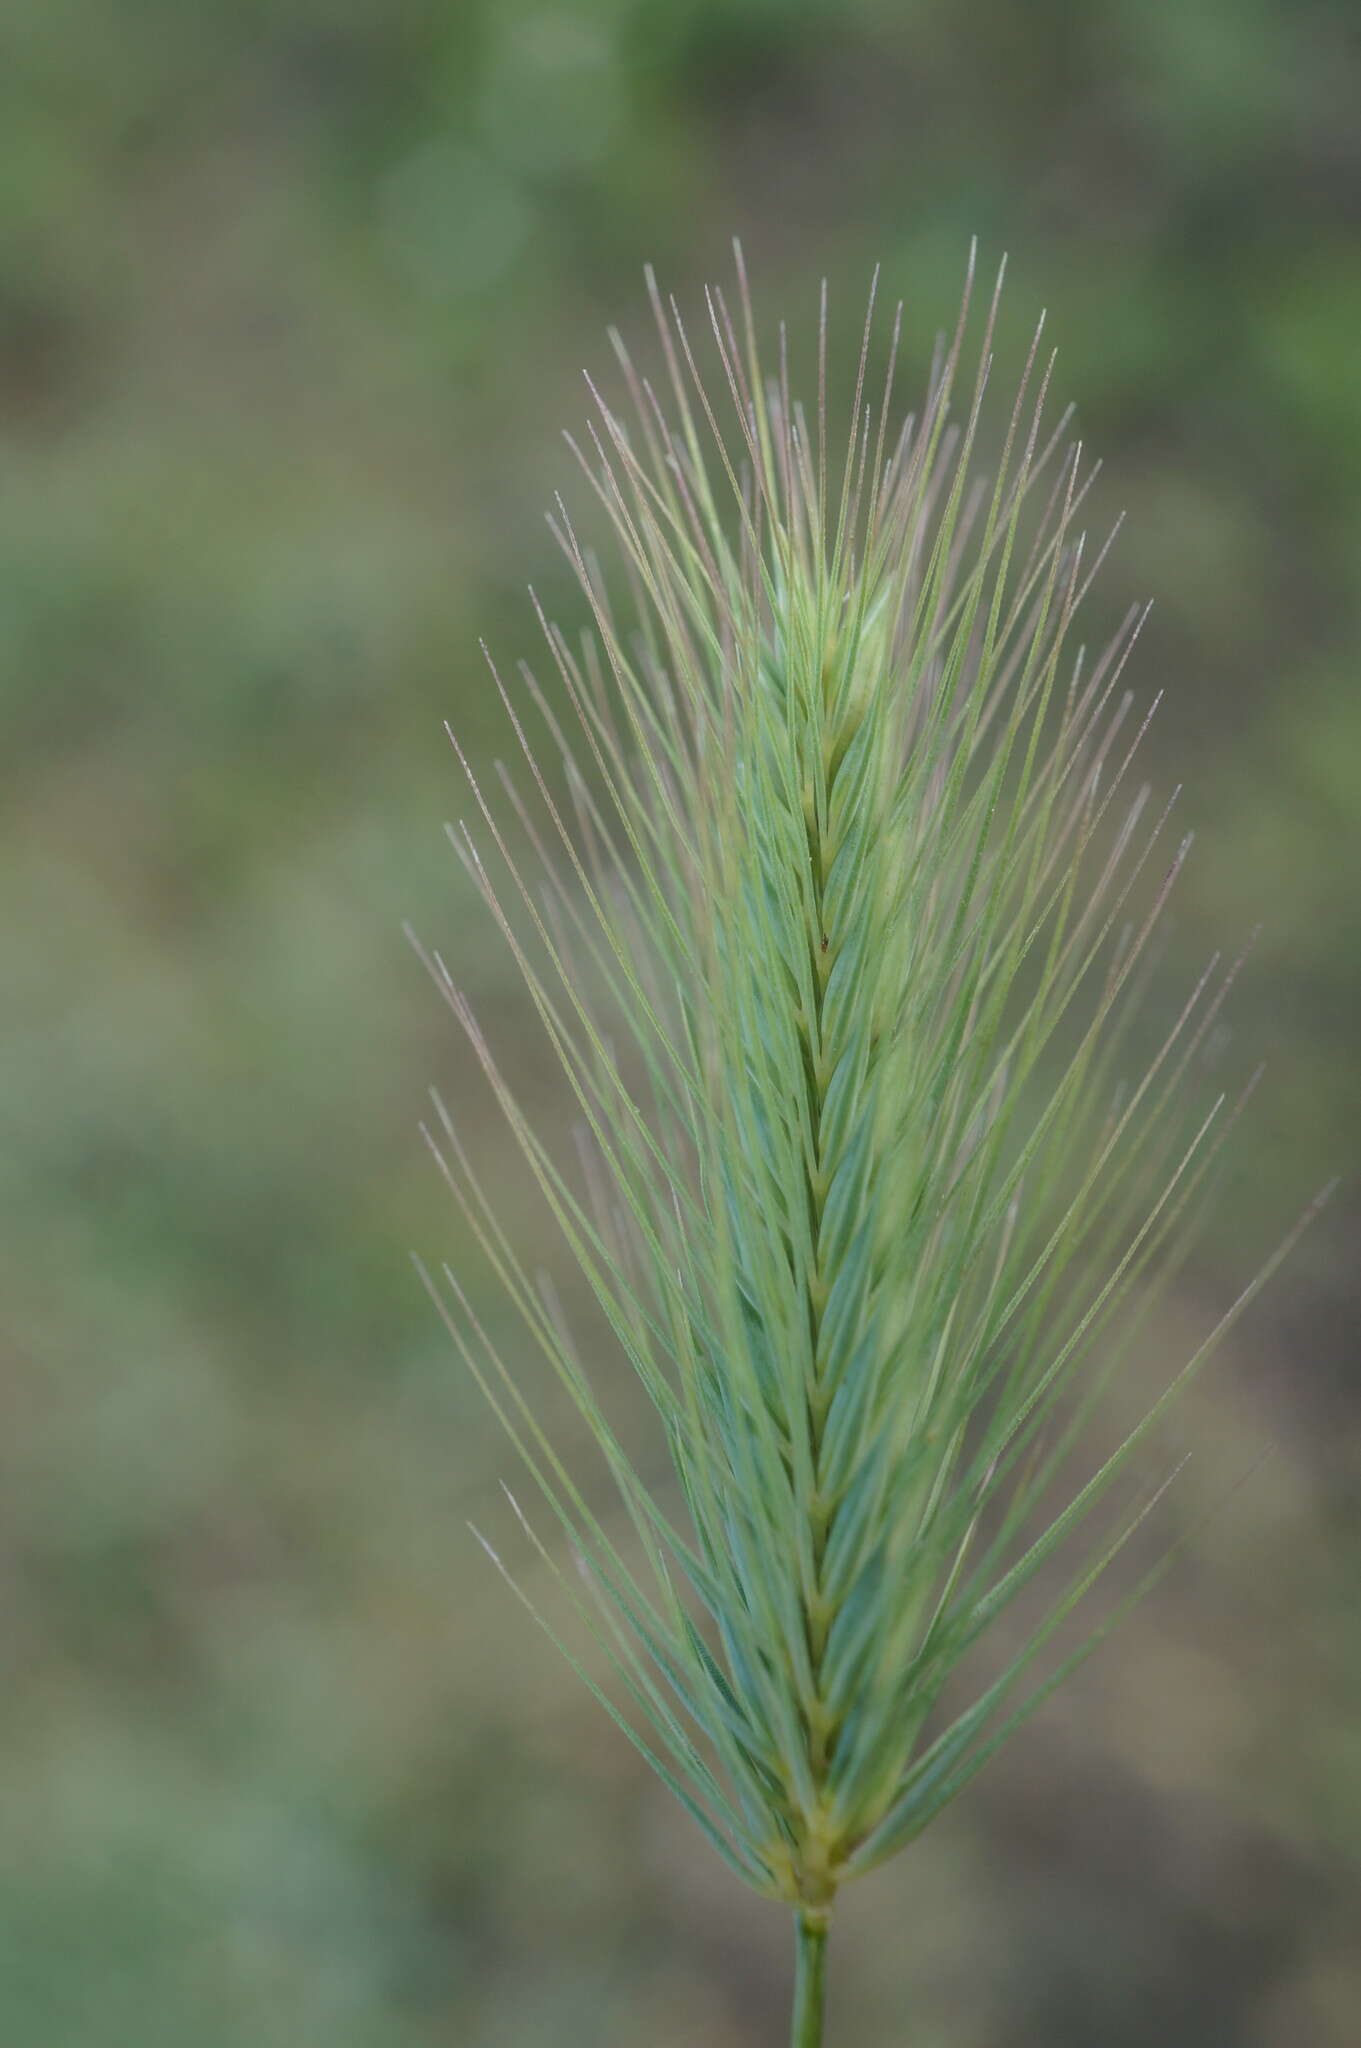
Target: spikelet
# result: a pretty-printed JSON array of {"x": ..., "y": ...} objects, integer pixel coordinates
[{"x": 847, "y": 902}]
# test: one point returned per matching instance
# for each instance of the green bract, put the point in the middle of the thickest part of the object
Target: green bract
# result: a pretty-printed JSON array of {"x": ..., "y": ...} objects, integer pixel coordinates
[{"x": 847, "y": 899}]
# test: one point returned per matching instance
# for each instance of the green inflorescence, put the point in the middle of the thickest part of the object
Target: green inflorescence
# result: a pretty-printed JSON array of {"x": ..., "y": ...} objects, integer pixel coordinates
[{"x": 849, "y": 888}]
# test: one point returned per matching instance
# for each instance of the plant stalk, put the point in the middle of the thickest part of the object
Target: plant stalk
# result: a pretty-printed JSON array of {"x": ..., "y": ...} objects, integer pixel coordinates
[{"x": 810, "y": 1981}]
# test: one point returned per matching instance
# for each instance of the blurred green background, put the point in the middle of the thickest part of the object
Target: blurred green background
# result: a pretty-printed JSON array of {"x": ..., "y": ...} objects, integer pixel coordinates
[{"x": 294, "y": 296}]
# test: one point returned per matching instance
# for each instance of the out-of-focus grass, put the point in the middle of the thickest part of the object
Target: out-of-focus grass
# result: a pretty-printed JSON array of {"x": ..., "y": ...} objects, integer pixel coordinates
[{"x": 292, "y": 302}]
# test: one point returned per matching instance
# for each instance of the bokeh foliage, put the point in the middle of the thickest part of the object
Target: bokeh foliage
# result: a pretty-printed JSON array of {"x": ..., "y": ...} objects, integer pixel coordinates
[{"x": 292, "y": 303}]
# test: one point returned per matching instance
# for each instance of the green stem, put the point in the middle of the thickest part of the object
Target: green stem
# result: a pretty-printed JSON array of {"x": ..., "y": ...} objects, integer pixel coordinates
[{"x": 810, "y": 1981}]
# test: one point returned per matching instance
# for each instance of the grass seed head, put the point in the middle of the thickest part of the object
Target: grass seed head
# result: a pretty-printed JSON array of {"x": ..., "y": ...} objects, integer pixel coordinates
[{"x": 842, "y": 890}]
